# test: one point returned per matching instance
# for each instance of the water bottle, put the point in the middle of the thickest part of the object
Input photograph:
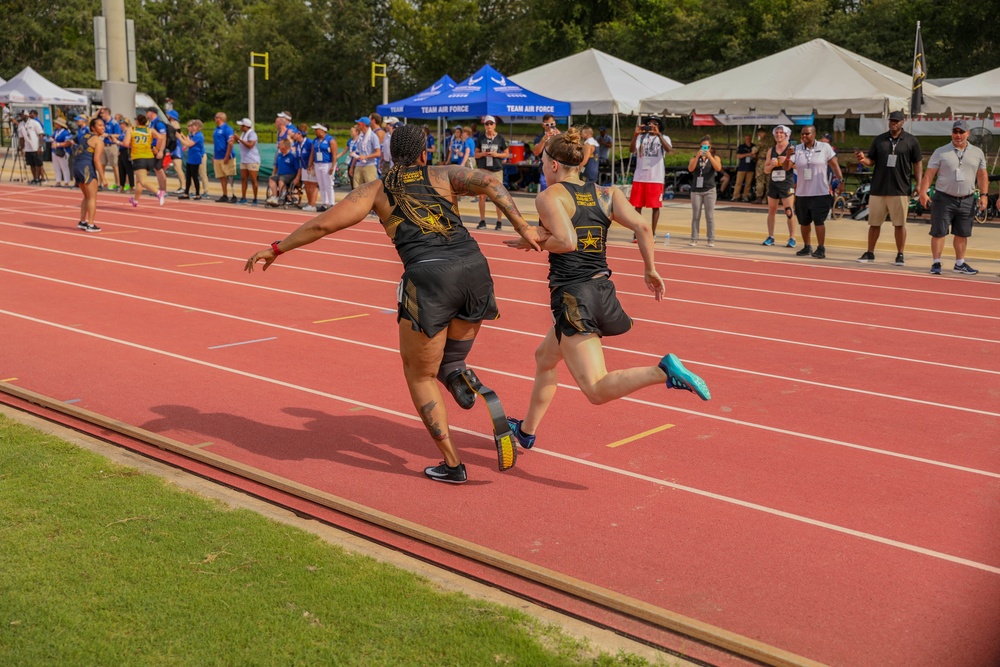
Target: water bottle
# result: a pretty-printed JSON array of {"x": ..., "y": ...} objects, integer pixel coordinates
[{"x": 666, "y": 239}]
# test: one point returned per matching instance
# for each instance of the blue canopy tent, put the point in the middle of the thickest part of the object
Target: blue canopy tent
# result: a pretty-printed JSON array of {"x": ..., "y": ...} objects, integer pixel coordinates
[
  {"x": 444, "y": 84},
  {"x": 487, "y": 92}
]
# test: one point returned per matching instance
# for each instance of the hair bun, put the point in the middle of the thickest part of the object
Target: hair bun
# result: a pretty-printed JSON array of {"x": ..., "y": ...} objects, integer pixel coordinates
[{"x": 573, "y": 136}]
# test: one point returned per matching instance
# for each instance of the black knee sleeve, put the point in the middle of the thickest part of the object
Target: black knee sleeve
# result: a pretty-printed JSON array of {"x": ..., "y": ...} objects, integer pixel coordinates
[{"x": 455, "y": 352}]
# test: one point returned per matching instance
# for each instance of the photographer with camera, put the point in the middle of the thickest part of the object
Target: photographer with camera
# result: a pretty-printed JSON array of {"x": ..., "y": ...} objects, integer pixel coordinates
[
  {"x": 649, "y": 145},
  {"x": 704, "y": 166},
  {"x": 549, "y": 131}
]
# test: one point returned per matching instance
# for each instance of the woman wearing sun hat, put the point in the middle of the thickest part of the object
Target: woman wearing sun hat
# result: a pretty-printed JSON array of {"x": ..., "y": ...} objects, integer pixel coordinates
[
  {"x": 249, "y": 158},
  {"x": 62, "y": 144},
  {"x": 322, "y": 162}
]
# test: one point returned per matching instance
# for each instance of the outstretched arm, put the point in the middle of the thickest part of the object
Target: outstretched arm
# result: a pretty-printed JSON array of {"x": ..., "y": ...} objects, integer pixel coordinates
[
  {"x": 463, "y": 181},
  {"x": 351, "y": 210},
  {"x": 625, "y": 215}
]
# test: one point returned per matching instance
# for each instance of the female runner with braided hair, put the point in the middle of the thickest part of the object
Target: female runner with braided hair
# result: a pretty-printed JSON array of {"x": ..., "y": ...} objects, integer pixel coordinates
[
  {"x": 446, "y": 290},
  {"x": 582, "y": 297}
]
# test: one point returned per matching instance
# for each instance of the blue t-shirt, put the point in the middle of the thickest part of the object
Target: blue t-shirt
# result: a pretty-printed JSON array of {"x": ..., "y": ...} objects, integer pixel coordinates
[
  {"x": 111, "y": 128},
  {"x": 220, "y": 141},
  {"x": 82, "y": 130},
  {"x": 197, "y": 152},
  {"x": 321, "y": 147},
  {"x": 287, "y": 163},
  {"x": 62, "y": 135},
  {"x": 304, "y": 150},
  {"x": 159, "y": 126},
  {"x": 470, "y": 144}
]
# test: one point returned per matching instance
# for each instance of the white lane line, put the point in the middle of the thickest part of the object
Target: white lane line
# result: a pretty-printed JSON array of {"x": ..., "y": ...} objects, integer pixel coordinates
[
  {"x": 730, "y": 420},
  {"x": 243, "y": 342},
  {"x": 707, "y": 494},
  {"x": 518, "y": 301},
  {"x": 921, "y": 292}
]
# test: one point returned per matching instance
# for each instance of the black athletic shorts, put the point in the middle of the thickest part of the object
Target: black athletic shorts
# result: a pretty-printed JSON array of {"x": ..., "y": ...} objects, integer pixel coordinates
[
  {"x": 33, "y": 158},
  {"x": 588, "y": 307},
  {"x": 432, "y": 293},
  {"x": 158, "y": 164},
  {"x": 781, "y": 189},
  {"x": 813, "y": 210},
  {"x": 146, "y": 163},
  {"x": 84, "y": 174}
]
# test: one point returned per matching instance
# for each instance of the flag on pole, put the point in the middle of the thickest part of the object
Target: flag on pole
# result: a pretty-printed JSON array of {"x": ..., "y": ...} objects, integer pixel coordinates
[{"x": 919, "y": 74}]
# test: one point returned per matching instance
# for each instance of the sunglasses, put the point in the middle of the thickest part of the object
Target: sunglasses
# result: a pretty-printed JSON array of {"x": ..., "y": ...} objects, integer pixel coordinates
[
  {"x": 548, "y": 124},
  {"x": 489, "y": 122},
  {"x": 958, "y": 131}
]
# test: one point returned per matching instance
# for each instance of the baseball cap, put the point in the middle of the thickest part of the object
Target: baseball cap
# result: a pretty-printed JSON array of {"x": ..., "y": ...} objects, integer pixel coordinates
[
  {"x": 80, "y": 117},
  {"x": 246, "y": 122},
  {"x": 319, "y": 126},
  {"x": 284, "y": 115},
  {"x": 391, "y": 120},
  {"x": 962, "y": 125},
  {"x": 602, "y": 129},
  {"x": 828, "y": 136},
  {"x": 782, "y": 127},
  {"x": 897, "y": 115},
  {"x": 489, "y": 119},
  {"x": 173, "y": 114},
  {"x": 152, "y": 110},
  {"x": 363, "y": 119}
]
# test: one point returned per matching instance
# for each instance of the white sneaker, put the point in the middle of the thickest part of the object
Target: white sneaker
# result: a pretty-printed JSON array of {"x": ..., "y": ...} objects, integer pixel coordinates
[
  {"x": 693, "y": 243},
  {"x": 309, "y": 209},
  {"x": 162, "y": 196},
  {"x": 179, "y": 191},
  {"x": 711, "y": 244}
]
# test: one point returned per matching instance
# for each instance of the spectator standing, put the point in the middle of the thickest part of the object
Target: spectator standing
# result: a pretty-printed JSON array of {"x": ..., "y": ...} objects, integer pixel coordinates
[
  {"x": 389, "y": 125},
  {"x": 302, "y": 147},
  {"x": 780, "y": 187},
  {"x": 125, "y": 156},
  {"x": 348, "y": 150},
  {"x": 745, "y": 167},
  {"x": 194, "y": 143},
  {"x": 549, "y": 132},
  {"x": 704, "y": 166},
  {"x": 453, "y": 146},
  {"x": 431, "y": 145},
  {"x": 589, "y": 169},
  {"x": 160, "y": 140},
  {"x": 81, "y": 127},
  {"x": 761, "y": 148},
  {"x": 88, "y": 175},
  {"x": 62, "y": 144},
  {"x": 649, "y": 145},
  {"x": 249, "y": 159},
  {"x": 604, "y": 143},
  {"x": 31, "y": 134},
  {"x": 177, "y": 152},
  {"x": 470, "y": 148},
  {"x": 959, "y": 168},
  {"x": 367, "y": 154},
  {"x": 840, "y": 129},
  {"x": 168, "y": 104},
  {"x": 812, "y": 198},
  {"x": 109, "y": 158},
  {"x": 895, "y": 158},
  {"x": 375, "y": 121},
  {"x": 323, "y": 151},
  {"x": 491, "y": 151},
  {"x": 222, "y": 156}
]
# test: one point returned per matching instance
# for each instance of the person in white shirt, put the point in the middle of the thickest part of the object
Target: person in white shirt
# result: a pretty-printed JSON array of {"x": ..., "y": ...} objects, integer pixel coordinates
[
  {"x": 649, "y": 146},
  {"x": 249, "y": 158},
  {"x": 31, "y": 133},
  {"x": 813, "y": 199}
]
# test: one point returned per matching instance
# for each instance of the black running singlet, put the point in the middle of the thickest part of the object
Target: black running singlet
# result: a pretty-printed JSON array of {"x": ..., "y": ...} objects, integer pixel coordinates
[
  {"x": 414, "y": 244},
  {"x": 591, "y": 226}
]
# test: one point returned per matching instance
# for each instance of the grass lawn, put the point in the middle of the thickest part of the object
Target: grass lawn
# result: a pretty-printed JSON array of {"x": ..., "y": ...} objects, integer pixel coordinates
[{"x": 103, "y": 565}]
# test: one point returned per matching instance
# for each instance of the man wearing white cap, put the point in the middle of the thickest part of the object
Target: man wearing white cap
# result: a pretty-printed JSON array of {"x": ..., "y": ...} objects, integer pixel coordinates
[
  {"x": 366, "y": 153},
  {"x": 322, "y": 163},
  {"x": 491, "y": 151},
  {"x": 282, "y": 130},
  {"x": 249, "y": 158}
]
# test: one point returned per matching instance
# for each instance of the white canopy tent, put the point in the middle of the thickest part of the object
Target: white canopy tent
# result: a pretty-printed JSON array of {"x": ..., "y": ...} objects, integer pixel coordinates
[
  {"x": 816, "y": 77},
  {"x": 29, "y": 88},
  {"x": 2, "y": 80},
  {"x": 597, "y": 83},
  {"x": 974, "y": 95}
]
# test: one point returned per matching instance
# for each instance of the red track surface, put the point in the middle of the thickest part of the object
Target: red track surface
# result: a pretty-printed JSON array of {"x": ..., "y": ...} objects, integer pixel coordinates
[{"x": 838, "y": 498}]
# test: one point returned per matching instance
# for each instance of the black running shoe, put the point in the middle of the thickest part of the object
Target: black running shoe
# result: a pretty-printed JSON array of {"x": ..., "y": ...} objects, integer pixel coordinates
[
  {"x": 499, "y": 225},
  {"x": 820, "y": 252},
  {"x": 459, "y": 388},
  {"x": 481, "y": 225},
  {"x": 445, "y": 473},
  {"x": 867, "y": 258},
  {"x": 222, "y": 200},
  {"x": 900, "y": 260},
  {"x": 806, "y": 250}
]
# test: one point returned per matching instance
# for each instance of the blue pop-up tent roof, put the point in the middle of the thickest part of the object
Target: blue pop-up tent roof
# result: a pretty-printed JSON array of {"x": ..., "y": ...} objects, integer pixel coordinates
[
  {"x": 442, "y": 85},
  {"x": 486, "y": 92}
]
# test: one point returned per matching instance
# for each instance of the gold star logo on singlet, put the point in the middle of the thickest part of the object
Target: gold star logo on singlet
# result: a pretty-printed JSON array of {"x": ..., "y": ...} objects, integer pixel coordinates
[
  {"x": 589, "y": 243},
  {"x": 435, "y": 214}
]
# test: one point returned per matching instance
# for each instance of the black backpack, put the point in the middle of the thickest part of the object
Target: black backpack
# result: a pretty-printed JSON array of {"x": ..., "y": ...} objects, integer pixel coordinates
[{"x": 171, "y": 138}]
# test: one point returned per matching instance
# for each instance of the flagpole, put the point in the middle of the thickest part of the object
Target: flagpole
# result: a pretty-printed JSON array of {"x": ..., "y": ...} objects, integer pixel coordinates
[{"x": 913, "y": 62}]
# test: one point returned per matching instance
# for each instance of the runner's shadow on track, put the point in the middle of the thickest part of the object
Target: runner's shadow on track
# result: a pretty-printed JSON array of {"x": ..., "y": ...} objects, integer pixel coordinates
[{"x": 362, "y": 441}]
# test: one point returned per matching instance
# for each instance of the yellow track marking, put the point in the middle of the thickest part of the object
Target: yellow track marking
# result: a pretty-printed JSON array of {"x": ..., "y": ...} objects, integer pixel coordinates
[
  {"x": 641, "y": 435},
  {"x": 335, "y": 319}
]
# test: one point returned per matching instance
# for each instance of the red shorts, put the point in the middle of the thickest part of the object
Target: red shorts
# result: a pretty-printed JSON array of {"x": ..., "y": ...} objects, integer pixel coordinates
[
  {"x": 167, "y": 159},
  {"x": 646, "y": 195}
]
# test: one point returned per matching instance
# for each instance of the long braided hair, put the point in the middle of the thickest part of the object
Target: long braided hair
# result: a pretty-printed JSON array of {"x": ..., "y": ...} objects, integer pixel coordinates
[{"x": 407, "y": 143}]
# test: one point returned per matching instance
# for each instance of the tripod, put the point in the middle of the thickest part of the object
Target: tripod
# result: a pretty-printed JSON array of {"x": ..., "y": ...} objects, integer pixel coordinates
[{"x": 17, "y": 167}]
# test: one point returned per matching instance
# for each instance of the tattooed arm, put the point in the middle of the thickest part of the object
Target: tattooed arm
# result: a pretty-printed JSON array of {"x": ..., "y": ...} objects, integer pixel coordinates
[
  {"x": 460, "y": 181},
  {"x": 349, "y": 211}
]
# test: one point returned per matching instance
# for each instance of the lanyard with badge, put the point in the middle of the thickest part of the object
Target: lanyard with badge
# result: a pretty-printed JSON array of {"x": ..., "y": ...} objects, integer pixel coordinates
[
  {"x": 890, "y": 160},
  {"x": 960, "y": 175},
  {"x": 699, "y": 182},
  {"x": 807, "y": 172}
]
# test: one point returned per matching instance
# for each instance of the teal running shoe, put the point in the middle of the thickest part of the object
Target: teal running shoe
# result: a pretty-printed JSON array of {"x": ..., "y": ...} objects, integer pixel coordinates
[{"x": 679, "y": 377}]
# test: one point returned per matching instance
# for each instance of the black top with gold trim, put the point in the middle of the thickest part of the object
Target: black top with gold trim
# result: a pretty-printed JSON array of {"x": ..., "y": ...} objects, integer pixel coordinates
[
  {"x": 416, "y": 243},
  {"x": 591, "y": 224},
  {"x": 84, "y": 153}
]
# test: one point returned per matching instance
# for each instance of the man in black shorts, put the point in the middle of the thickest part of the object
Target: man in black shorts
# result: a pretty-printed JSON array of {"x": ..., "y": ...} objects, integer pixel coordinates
[
  {"x": 813, "y": 160},
  {"x": 446, "y": 290},
  {"x": 491, "y": 151}
]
